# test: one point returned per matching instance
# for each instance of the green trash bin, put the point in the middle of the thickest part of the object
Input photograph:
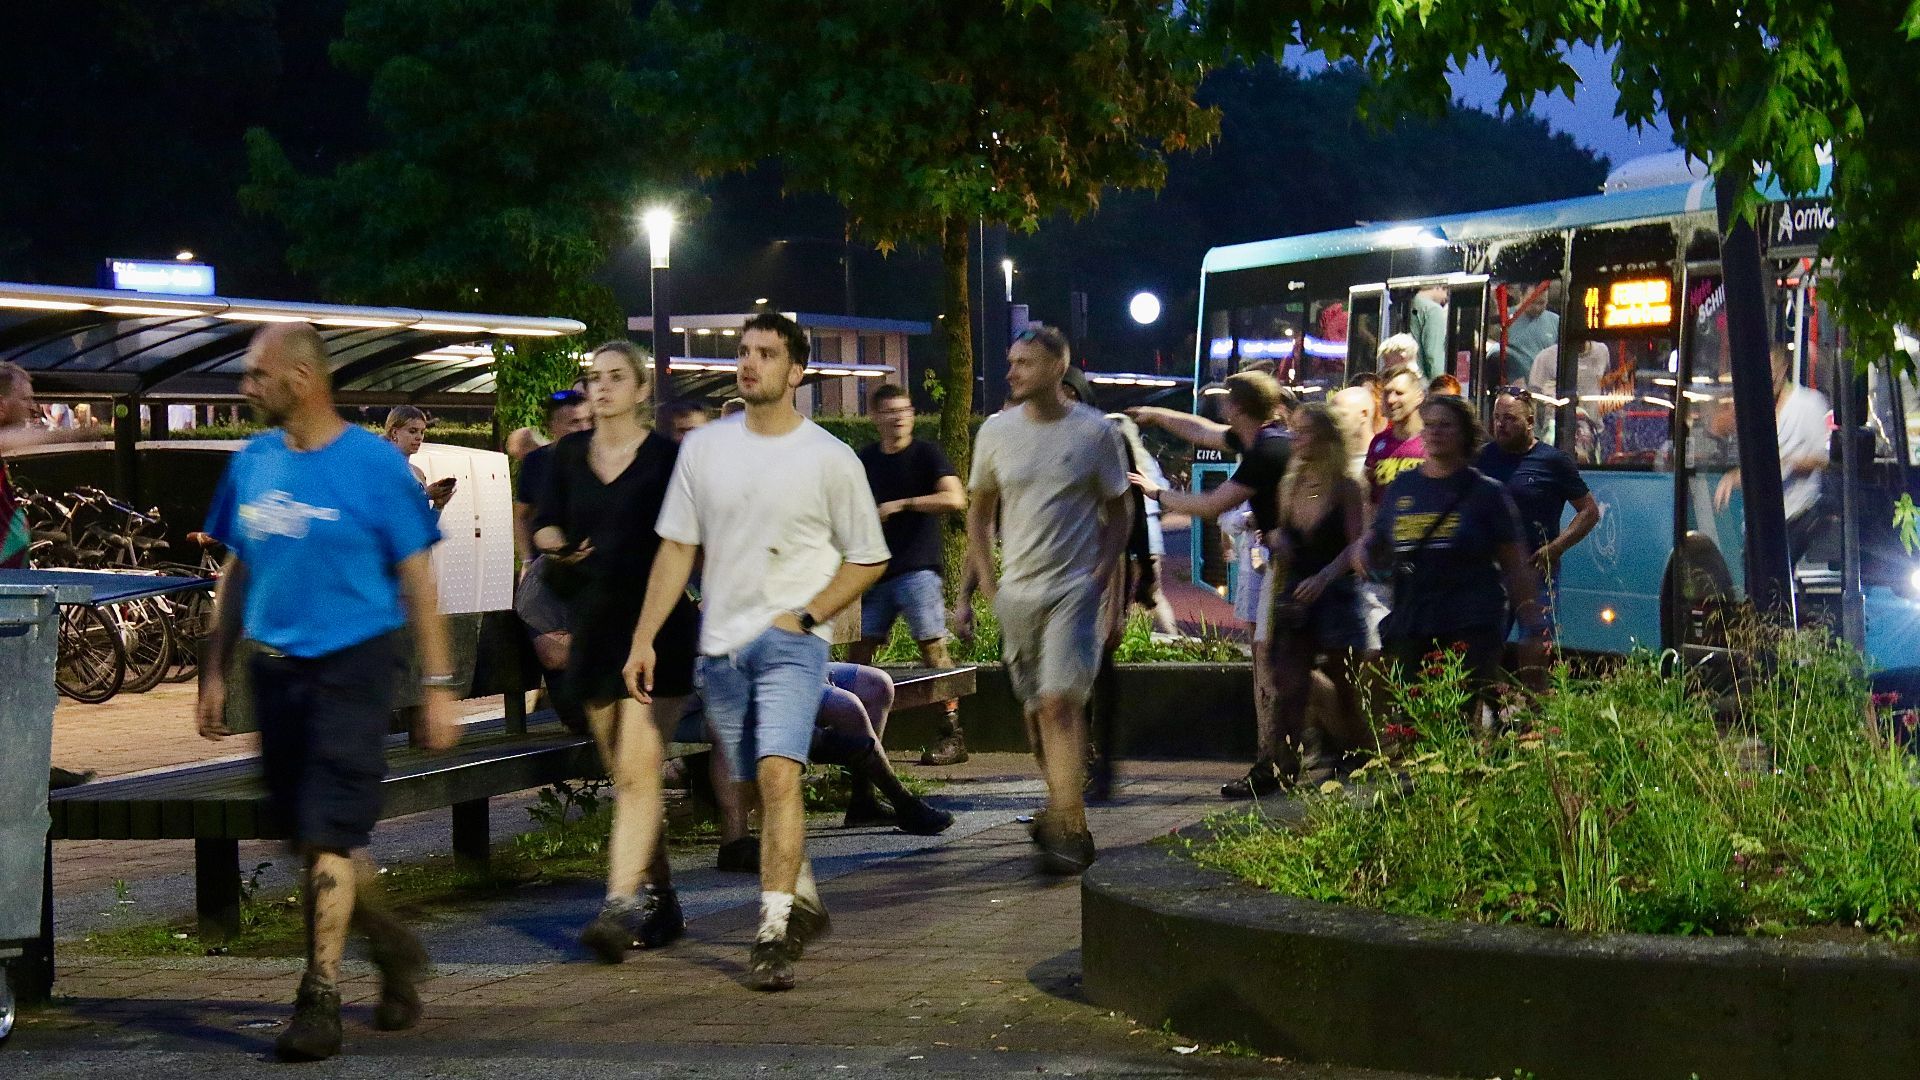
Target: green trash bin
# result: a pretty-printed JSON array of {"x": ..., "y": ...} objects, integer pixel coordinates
[{"x": 29, "y": 634}]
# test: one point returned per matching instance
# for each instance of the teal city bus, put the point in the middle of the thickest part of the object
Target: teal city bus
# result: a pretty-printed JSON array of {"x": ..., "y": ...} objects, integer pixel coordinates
[{"x": 1610, "y": 309}]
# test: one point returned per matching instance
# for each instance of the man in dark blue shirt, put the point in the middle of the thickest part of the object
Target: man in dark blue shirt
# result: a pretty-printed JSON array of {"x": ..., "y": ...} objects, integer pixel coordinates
[
  {"x": 1543, "y": 481},
  {"x": 329, "y": 542}
]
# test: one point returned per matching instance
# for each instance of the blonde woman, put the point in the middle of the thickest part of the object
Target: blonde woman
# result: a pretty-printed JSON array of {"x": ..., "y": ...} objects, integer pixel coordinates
[
  {"x": 595, "y": 525},
  {"x": 1316, "y": 620},
  {"x": 407, "y": 429}
]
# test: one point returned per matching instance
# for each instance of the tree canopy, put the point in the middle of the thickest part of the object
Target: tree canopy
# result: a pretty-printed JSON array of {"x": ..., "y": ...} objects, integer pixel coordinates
[
  {"x": 1756, "y": 87},
  {"x": 924, "y": 116},
  {"x": 512, "y": 157}
]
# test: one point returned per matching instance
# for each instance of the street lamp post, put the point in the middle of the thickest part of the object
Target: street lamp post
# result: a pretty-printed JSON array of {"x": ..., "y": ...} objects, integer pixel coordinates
[{"x": 659, "y": 225}]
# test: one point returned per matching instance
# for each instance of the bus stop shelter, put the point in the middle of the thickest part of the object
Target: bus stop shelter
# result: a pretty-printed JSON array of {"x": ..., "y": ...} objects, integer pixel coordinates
[{"x": 132, "y": 349}]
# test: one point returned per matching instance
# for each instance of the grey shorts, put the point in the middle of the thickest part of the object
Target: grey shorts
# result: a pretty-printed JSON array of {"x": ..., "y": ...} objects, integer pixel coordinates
[{"x": 1050, "y": 640}]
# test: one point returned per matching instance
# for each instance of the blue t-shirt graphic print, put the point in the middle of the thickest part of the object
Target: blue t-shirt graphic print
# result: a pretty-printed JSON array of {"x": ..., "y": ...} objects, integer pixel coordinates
[{"x": 321, "y": 533}]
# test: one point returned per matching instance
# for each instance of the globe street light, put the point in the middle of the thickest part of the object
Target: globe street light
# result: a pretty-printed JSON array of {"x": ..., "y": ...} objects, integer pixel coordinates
[
  {"x": 1145, "y": 308},
  {"x": 658, "y": 222}
]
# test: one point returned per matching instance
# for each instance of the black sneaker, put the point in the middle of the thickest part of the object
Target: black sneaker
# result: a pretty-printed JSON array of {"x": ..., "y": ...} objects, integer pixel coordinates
[
  {"x": 1263, "y": 779},
  {"x": 314, "y": 1034},
  {"x": 402, "y": 962},
  {"x": 1063, "y": 852},
  {"x": 615, "y": 930},
  {"x": 919, "y": 819},
  {"x": 661, "y": 921},
  {"x": 869, "y": 811},
  {"x": 740, "y": 856},
  {"x": 770, "y": 966},
  {"x": 950, "y": 750}
]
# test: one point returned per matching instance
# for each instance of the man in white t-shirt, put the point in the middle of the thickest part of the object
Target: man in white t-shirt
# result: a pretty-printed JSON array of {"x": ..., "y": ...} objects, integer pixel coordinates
[
  {"x": 1800, "y": 423},
  {"x": 1055, "y": 472},
  {"x": 791, "y": 536}
]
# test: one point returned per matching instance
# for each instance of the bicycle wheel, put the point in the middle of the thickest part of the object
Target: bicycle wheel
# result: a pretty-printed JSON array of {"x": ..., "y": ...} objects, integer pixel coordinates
[
  {"x": 148, "y": 640},
  {"x": 91, "y": 663},
  {"x": 191, "y": 615}
]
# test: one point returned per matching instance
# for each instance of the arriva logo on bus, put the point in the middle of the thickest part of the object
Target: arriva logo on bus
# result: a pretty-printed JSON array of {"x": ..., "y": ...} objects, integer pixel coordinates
[{"x": 1802, "y": 222}]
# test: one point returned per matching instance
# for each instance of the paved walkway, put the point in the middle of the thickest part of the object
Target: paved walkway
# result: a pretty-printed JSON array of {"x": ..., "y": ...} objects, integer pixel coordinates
[{"x": 949, "y": 957}]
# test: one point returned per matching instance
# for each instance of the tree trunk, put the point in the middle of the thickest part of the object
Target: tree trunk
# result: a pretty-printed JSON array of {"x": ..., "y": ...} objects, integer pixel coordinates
[
  {"x": 1769, "y": 569},
  {"x": 956, "y": 407}
]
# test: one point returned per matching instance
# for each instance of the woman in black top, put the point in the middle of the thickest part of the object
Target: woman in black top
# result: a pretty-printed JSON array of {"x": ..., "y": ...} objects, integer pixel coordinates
[
  {"x": 595, "y": 525},
  {"x": 1316, "y": 623}
]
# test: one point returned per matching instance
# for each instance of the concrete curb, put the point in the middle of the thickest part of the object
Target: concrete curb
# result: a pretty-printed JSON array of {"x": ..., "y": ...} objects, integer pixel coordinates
[{"x": 1168, "y": 941}]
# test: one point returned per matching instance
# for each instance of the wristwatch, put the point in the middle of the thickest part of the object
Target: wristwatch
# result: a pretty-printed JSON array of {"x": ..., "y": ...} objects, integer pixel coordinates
[
  {"x": 807, "y": 621},
  {"x": 439, "y": 682}
]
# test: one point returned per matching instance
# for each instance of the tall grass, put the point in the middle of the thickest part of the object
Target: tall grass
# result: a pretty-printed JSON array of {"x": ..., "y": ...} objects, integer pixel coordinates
[{"x": 1636, "y": 801}]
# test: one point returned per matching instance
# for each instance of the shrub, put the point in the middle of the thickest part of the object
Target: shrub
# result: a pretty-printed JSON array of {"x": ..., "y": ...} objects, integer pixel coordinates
[{"x": 1637, "y": 801}]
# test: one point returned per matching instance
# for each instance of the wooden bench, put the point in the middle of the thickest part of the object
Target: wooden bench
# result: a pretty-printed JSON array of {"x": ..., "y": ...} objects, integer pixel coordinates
[{"x": 220, "y": 804}]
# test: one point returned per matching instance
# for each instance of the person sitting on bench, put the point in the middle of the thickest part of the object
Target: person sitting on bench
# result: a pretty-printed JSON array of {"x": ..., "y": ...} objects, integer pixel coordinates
[{"x": 853, "y": 715}]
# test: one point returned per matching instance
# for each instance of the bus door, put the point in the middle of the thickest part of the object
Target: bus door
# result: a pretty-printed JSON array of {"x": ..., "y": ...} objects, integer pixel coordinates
[
  {"x": 1368, "y": 316},
  {"x": 1445, "y": 315},
  {"x": 1707, "y": 573},
  {"x": 1618, "y": 387}
]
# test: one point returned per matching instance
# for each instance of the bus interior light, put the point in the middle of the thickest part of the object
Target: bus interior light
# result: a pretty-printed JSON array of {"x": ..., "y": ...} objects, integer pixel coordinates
[{"x": 1913, "y": 580}]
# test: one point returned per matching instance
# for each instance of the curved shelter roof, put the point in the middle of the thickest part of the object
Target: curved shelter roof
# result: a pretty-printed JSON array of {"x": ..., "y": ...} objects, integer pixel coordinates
[{"x": 88, "y": 342}]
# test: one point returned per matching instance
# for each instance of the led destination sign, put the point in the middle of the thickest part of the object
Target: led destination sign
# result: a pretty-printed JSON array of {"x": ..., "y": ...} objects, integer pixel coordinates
[{"x": 1642, "y": 303}]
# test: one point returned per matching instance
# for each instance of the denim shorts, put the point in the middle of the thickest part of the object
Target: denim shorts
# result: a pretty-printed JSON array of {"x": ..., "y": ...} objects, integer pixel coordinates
[
  {"x": 761, "y": 701},
  {"x": 915, "y": 594}
]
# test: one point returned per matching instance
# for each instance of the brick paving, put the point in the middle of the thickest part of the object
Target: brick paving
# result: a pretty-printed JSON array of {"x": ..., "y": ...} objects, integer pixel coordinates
[{"x": 954, "y": 949}]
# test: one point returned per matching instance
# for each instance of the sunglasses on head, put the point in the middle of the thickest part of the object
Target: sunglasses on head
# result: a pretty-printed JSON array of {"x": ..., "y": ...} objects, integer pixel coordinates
[
  {"x": 566, "y": 397},
  {"x": 1519, "y": 392}
]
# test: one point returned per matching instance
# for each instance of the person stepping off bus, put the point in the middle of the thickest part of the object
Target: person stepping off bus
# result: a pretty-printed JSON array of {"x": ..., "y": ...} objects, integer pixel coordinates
[
  {"x": 328, "y": 542},
  {"x": 783, "y": 514}
]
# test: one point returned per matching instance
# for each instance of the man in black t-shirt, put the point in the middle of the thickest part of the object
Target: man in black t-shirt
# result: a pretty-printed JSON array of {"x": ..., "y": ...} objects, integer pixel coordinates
[
  {"x": 913, "y": 483},
  {"x": 1257, "y": 431},
  {"x": 567, "y": 413},
  {"x": 1543, "y": 481}
]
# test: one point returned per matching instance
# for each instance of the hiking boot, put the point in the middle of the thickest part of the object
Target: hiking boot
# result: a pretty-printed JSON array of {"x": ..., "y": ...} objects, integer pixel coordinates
[
  {"x": 806, "y": 924},
  {"x": 1064, "y": 852},
  {"x": 615, "y": 930},
  {"x": 769, "y": 966},
  {"x": 1263, "y": 779},
  {"x": 950, "y": 750},
  {"x": 661, "y": 921},
  {"x": 314, "y": 1034},
  {"x": 868, "y": 811},
  {"x": 402, "y": 962},
  {"x": 919, "y": 819},
  {"x": 740, "y": 856}
]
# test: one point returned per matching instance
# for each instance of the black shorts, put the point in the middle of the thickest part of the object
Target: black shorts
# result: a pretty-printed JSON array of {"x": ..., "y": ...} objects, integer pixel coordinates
[{"x": 323, "y": 739}]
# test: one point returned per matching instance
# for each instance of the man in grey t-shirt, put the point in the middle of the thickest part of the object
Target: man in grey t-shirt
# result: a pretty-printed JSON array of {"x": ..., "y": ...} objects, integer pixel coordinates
[{"x": 1059, "y": 469}]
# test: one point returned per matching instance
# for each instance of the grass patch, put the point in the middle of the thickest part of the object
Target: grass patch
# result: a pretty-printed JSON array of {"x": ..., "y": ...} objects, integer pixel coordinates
[
  {"x": 1639, "y": 801},
  {"x": 1138, "y": 645}
]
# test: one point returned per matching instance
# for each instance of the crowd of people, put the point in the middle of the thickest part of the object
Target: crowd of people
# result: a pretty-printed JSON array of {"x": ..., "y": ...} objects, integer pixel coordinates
[
  {"x": 1374, "y": 530},
  {"x": 684, "y": 569}
]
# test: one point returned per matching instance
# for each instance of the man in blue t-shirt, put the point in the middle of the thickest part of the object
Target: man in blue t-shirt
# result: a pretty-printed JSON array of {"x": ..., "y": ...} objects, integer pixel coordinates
[{"x": 328, "y": 539}]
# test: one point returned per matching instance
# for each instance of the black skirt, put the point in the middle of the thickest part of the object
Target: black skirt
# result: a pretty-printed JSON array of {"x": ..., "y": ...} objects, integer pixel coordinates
[{"x": 603, "y": 622}]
